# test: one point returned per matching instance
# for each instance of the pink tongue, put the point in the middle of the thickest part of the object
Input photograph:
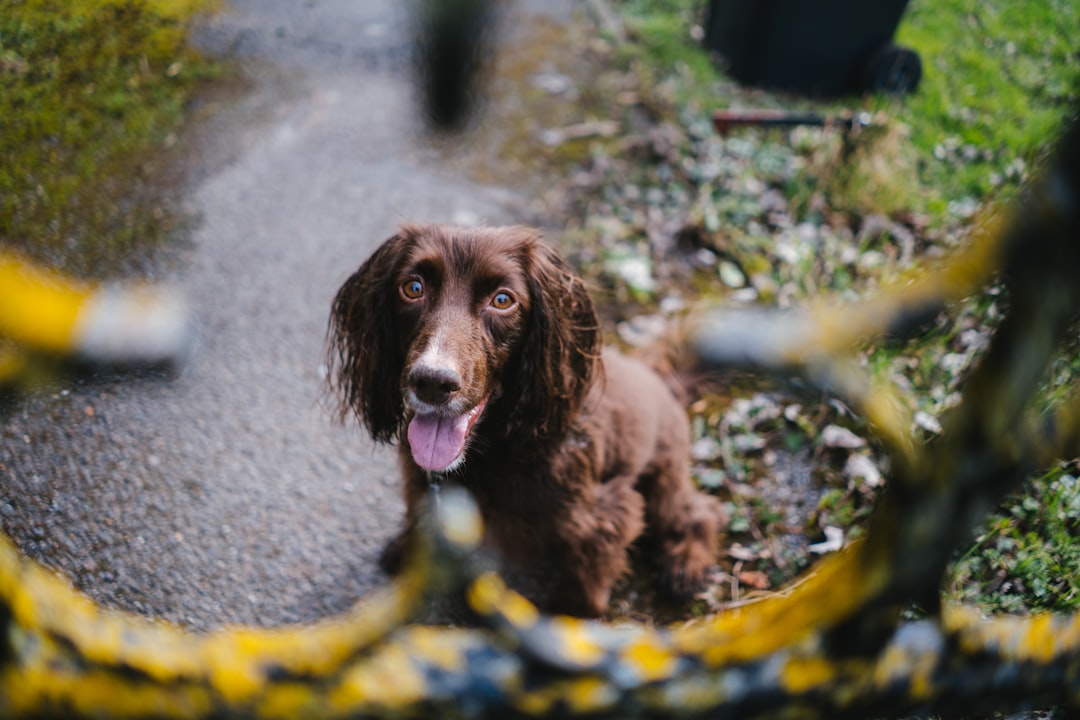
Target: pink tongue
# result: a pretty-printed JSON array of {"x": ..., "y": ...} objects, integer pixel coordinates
[{"x": 437, "y": 441}]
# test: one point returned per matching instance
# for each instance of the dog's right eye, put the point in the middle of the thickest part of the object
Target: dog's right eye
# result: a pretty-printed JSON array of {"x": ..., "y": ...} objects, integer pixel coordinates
[{"x": 412, "y": 289}]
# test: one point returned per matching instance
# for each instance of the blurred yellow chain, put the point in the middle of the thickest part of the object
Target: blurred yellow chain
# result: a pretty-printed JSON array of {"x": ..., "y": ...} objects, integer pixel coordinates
[{"x": 43, "y": 312}]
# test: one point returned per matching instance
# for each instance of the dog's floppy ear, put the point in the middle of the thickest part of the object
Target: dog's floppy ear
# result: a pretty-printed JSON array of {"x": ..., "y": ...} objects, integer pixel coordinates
[
  {"x": 363, "y": 356},
  {"x": 560, "y": 354}
]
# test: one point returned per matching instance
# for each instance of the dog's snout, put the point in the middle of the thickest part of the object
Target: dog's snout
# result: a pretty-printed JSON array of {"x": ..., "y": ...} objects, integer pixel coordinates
[{"x": 434, "y": 385}]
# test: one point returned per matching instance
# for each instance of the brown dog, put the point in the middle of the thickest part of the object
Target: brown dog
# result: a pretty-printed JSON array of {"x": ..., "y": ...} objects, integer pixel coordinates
[{"x": 479, "y": 350}]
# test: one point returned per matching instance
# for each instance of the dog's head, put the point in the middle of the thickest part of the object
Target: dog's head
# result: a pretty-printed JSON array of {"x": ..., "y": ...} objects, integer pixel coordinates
[{"x": 445, "y": 329}]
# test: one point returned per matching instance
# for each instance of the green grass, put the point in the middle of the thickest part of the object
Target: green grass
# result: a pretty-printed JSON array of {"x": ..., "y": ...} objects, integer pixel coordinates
[
  {"x": 998, "y": 79},
  {"x": 92, "y": 94}
]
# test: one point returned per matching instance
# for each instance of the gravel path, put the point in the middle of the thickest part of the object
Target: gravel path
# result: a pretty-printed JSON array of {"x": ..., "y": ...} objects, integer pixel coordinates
[{"x": 226, "y": 495}]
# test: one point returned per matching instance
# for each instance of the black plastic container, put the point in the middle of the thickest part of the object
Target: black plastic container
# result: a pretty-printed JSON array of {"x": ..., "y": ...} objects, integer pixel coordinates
[{"x": 813, "y": 47}]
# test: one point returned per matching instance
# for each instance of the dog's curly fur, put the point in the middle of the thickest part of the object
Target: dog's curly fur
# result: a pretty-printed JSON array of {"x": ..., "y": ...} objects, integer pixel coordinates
[{"x": 571, "y": 451}]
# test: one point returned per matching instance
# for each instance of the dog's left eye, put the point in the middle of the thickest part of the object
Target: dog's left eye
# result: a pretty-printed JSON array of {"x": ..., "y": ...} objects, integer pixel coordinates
[
  {"x": 502, "y": 301},
  {"x": 412, "y": 289}
]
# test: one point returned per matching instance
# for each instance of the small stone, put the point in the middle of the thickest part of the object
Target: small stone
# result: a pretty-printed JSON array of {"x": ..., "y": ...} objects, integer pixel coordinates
[{"x": 731, "y": 275}]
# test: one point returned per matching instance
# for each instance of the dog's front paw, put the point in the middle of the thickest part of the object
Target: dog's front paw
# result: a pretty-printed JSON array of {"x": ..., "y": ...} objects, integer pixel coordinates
[
  {"x": 686, "y": 558},
  {"x": 570, "y": 598},
  {"x": 684, "y": 578}
]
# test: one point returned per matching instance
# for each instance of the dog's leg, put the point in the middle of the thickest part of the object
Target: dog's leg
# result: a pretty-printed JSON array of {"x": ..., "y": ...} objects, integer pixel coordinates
[
  {"x": 415, "y": 491},
  {"x": 593, "y": 547},
  {"x": 685, "y": 524}
]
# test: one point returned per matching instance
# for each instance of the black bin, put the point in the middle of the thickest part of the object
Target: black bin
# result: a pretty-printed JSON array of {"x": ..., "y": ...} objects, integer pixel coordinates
[{"x": 813, "y": 47}]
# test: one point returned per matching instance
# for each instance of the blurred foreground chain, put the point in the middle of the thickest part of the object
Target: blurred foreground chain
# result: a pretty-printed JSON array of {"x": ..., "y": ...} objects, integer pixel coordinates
[
  {"x": 44, "y": 314},
  {"x": 831, "y": 646}
]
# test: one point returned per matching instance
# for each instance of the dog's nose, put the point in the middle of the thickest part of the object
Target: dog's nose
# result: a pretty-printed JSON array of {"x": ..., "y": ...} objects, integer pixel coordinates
[{"x": 434, "y": 385}]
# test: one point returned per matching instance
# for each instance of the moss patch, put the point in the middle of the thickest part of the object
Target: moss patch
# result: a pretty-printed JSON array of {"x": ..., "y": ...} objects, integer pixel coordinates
[{"x": 91, "y": 93}]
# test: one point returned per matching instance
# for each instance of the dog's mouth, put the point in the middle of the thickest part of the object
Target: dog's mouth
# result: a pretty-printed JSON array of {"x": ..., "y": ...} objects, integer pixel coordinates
[{"x": 437, "y": 441}]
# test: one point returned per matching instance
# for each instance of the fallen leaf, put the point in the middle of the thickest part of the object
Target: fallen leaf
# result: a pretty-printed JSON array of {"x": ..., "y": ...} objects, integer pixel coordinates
[
  {"x": 927, "y": 422},
  {"x": 748, "y": 442},
  {"x": 835, "y": 436},
  {"x": 754, "y": 579},
  {"x": 739, "y": 552},
  {"x": 834, "y": 540},
  {"x": 705, "y": 449},
  {"x": 710, "y": 477},
  {"x": 860, "y": 467}
]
